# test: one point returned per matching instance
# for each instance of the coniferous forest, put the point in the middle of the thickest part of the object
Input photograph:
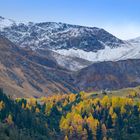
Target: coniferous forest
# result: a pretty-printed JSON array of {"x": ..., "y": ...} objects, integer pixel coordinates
[{"x": 70, "y": 117}]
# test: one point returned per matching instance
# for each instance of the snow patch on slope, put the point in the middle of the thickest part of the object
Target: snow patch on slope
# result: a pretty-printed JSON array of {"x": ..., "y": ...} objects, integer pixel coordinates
[
  {"x": 70, "y": 63},
  {"x": 107, "y": 54}
]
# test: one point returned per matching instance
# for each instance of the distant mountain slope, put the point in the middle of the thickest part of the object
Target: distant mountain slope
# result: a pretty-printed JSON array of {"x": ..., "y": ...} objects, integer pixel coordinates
[
  {"x": 29, "y": 74},
  {"x": 109, "y": 75}
]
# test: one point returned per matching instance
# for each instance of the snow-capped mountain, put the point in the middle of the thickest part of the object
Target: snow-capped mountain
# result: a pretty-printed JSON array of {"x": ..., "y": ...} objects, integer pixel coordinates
[
  {"x": 58, "y": 36},
  {"x": 69, "y": 41}
]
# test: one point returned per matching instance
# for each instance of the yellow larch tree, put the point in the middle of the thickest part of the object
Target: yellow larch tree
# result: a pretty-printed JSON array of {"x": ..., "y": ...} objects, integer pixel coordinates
[
  {"x": 9, "y": 119},
  {"x": 2, "y": 105}
]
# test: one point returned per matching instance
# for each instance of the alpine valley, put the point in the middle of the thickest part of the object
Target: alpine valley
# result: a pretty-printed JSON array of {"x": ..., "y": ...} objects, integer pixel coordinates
[
  {"x": 67, "y": 82},
  {"x": 50, "y": 58}
]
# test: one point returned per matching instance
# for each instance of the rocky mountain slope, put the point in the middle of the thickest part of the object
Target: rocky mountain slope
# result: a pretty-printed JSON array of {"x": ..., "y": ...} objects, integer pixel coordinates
[
  {"x": 25, "y": 73},
  {"x": 109, "y": 75}
]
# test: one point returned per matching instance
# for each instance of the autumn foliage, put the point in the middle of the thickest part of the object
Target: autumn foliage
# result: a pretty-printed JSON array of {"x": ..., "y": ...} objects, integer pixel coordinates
[{"x": 74, "y": 116}]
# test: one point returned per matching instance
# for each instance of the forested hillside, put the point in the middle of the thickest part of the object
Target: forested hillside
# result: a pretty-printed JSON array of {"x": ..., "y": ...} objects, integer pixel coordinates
[{"x": 70, "y": 117}]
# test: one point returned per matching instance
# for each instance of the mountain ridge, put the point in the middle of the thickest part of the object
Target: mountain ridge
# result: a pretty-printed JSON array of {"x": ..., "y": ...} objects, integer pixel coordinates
[{"x": 52, "y": 29}]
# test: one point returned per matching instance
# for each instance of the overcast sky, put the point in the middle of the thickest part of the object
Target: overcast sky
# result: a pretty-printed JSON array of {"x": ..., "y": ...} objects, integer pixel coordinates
[{"x": 119, "y": 17}]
